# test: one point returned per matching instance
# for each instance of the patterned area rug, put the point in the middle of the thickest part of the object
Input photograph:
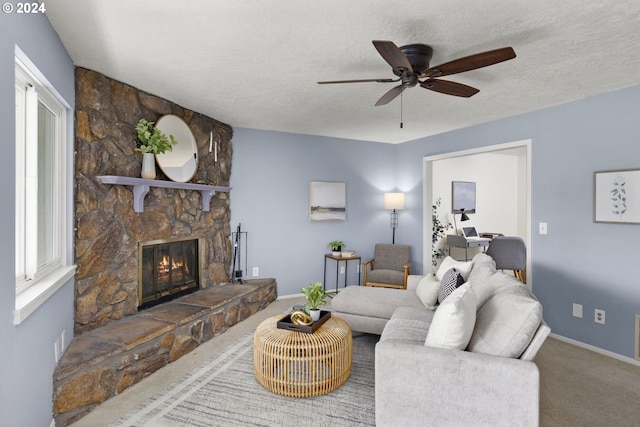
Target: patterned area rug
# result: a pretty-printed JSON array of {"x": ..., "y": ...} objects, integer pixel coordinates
[{"x": 224, "y": 392}]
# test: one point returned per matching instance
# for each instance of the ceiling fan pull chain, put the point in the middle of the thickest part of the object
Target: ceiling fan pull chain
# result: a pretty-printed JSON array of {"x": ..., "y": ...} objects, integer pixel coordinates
[{"x": 401, "y": 104}]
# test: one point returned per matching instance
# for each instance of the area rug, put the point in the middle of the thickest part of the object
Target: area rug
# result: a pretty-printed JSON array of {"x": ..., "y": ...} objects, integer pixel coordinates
[{"x": 224, "y": 392}]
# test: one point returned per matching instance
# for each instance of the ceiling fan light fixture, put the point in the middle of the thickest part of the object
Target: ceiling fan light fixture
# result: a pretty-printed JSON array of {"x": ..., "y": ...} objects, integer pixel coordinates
[{"x": 411, "y": 63}]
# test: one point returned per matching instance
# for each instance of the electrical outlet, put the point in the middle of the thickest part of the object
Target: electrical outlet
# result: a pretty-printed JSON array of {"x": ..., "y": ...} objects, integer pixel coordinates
[
  {"x": 599, "y": 316},
  {"x": 256, "y": 271},
  {"x": 577, "y": 310},
  {"x": 342, "y": 269}
]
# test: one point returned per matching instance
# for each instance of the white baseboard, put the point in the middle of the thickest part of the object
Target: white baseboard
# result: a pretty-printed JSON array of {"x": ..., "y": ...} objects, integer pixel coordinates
[
  {"x": 297, "y": 295},
  {"x": 597, "y": 350}
]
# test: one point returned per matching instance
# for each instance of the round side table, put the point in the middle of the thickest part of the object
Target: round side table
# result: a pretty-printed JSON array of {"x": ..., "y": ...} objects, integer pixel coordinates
[{"x": 297, "y": 364}]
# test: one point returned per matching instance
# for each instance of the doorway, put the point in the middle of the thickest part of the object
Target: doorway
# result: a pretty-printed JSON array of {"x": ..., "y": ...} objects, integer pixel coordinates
[{"x": 502, "y": 173}]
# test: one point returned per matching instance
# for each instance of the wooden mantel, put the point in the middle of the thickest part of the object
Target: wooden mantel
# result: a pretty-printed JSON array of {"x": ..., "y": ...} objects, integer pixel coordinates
[{"x": 142, "y": 186}]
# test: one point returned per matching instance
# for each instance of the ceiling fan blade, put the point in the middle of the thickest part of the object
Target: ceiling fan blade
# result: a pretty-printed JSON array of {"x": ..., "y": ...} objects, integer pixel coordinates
[
  {"x": 449, "y": 88},
  {"x": 358, "y": 81},
  {"x": 472, "y": 62},
  {"x": 394, "y": 56},
  {"x": 390, "y": 95}
]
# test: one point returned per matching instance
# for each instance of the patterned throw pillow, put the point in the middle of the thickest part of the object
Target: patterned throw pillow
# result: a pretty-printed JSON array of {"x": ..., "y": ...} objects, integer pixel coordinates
[{"x": 450, "y": 281}]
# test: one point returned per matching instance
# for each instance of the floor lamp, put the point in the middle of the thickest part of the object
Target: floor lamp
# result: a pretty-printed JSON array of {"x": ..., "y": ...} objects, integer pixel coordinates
[{"x": 394, "y": 202}]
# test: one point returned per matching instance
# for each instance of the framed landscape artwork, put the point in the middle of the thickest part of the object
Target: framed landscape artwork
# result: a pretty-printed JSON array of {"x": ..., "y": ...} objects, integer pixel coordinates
[
  {"x": 327, "y": 201},
  {"x": 463, "y": 196},
  {"x": 616, "y": 196}
]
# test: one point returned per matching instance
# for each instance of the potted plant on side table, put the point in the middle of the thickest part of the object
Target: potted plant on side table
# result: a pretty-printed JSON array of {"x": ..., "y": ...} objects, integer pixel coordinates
[
  {"x": 152, "y": 141},
  {"x": 336, "y": 247},
  {"x": 316, "y": 296}
]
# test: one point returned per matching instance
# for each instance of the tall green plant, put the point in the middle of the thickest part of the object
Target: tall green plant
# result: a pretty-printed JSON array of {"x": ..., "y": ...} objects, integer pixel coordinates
[{"x": 439, "y": 231}]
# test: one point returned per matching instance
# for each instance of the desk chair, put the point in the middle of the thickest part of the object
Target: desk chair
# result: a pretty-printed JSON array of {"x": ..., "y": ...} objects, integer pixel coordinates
[{"x": 509, "y": 253}]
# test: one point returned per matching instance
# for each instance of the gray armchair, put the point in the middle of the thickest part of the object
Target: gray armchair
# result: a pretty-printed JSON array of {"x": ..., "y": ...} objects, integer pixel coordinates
[
  {"x": 390, "y": 266},
  {"x": 509, "y": 253}
]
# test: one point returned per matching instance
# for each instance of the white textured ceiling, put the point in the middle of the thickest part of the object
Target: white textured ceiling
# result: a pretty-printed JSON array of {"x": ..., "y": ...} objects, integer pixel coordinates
[{"x": 255, "y": 63}]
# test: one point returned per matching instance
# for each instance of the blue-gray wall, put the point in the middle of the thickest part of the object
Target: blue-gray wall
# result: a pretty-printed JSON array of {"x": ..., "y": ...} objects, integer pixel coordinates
[
  {"x": 270, "y": 195},
  {"x": 27, "y": 350},
  {"x": 579, "y": 261}
]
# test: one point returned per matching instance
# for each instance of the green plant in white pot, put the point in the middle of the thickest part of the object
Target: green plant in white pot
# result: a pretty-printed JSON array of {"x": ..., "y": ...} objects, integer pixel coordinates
[
  {"x": 316, "y": 296},
  {"x": 152, "y": 141},
  {"x": 336, "y": 247}
]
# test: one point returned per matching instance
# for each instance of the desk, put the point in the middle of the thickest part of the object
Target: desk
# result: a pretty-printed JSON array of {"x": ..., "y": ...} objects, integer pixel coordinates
[
  {"x": 463, "y": 242},
  {"x": 338, "y": 259}
]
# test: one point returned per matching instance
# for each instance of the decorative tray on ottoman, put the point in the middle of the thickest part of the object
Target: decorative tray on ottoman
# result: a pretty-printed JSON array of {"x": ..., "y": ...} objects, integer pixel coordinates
[{"x": 285, "y": 323}]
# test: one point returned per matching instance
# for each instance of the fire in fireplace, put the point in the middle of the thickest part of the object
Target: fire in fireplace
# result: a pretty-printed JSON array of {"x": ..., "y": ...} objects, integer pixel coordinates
[{"x": 167, "y": 269}]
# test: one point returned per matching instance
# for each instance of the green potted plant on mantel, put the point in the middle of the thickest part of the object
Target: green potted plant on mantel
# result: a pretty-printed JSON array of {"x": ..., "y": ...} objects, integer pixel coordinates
[
  {"x": 336, "y": 247},
  {"x": 152, "y": 141},
  {"x": 316, "y": 296}
]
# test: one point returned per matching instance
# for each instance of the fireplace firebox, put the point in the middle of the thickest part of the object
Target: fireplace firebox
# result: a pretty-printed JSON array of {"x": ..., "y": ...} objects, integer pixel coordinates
[{"x": 167, "y": 269}]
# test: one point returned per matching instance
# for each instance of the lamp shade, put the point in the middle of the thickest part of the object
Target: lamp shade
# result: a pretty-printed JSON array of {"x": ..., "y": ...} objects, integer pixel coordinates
[{"x": 394, "y": 201}]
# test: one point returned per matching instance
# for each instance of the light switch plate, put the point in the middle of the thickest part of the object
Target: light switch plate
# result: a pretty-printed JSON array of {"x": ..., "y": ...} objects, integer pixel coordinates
[{"x": 542, "y": 228}]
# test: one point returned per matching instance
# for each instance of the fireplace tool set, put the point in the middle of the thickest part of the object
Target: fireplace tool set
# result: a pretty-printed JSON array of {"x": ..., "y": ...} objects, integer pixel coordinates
[{"x": 236, "y": 269}]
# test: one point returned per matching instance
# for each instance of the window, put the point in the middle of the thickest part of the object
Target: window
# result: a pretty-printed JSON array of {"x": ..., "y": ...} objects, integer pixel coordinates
[{"x": 41, "y": 191}]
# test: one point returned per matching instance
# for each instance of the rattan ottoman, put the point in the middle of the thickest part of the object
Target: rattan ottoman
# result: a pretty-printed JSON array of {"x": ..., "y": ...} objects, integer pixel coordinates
[{"x": 297, "y": 364}]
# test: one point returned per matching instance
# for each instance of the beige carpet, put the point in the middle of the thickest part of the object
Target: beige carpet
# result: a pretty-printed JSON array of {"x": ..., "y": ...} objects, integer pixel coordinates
[{"x": 578, "y": 387}]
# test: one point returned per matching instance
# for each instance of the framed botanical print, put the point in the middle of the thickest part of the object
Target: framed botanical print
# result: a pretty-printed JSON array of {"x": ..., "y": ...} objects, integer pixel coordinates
[{"x": 616, "y": 196}]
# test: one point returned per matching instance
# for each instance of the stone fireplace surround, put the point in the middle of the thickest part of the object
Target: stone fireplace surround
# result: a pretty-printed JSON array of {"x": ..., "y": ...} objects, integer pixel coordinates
[
  {"x": 114, "y": 346},
  {"x": 107, "y": 228}
]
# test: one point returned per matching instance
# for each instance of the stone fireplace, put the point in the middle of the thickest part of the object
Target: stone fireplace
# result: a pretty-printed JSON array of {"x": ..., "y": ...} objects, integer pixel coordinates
[
  {"x": 108, "y": 229},
  {"x": 174, "y": 244},
  {"x": 167, "y": 269}
]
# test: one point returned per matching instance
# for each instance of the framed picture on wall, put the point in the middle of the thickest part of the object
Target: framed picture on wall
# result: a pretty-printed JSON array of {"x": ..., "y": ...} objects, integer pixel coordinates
[
  {"x": 616, "y": 196},
  {"x": 463, "y": 196},
  {"x": 327, "y": 201}
]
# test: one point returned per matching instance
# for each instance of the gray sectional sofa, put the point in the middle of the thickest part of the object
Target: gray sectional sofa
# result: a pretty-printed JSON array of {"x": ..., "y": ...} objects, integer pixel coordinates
[{"x": 465, "y": 361}]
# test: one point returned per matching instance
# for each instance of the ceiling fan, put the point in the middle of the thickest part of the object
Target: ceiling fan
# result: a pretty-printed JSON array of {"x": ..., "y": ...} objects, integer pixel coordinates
[{"x": 411, "y": 64}]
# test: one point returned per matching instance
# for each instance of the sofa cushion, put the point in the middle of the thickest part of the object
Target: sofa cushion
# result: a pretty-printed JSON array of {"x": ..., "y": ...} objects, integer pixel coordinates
[
  {"x": 427, "y": 291},
  {"x": 462, "y": 267},
  {"x": 506, "y": 323},
  {"x": 450, "y": 282},
  {"x": 488, "y": 288},
  {"x": 373, "y": 302},
  {"x": 386, "y": 276},
  {"x": 405, "y": 330},
  {"x": 453, "y": 321},
  {"x": 483, "y": 267},
  {"x": 412, "y": 313}
]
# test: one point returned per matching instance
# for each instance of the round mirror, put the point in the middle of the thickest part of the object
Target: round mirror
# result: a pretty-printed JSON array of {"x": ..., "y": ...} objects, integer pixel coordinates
[{"x": 181, "y": 163}]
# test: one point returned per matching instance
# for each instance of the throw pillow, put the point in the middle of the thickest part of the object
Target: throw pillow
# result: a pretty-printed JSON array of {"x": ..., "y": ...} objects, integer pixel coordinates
[
  {"x": 506, "y": 323},
  {"x": 450, "y": 282},
  {"x": 454, "y": 320},
  {"x": 427, "y": 291},
  {"x": 462, "y": 267}
]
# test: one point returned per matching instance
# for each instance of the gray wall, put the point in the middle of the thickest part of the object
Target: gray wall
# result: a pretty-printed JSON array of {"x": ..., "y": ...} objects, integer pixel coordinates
[
  {"x": 27, "y": 350},
  {"x": 269, "y": 197},
  {"x": 578, "y": 261}
]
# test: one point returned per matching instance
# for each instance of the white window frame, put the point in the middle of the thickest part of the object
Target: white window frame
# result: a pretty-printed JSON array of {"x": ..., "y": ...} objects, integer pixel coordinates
[{"x": 35, "y": 284}]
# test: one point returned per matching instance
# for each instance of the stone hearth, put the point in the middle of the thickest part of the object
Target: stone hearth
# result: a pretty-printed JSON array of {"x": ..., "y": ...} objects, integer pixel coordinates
[{"x": 107, "y": 360}]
